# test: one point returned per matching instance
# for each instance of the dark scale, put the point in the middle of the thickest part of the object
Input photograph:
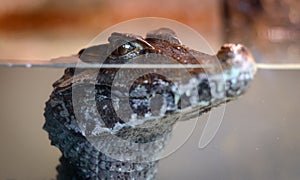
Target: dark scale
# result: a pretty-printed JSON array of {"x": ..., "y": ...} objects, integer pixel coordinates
[
  {"x": 71, "y": 124},
  {"x": 204, "y": 91}
]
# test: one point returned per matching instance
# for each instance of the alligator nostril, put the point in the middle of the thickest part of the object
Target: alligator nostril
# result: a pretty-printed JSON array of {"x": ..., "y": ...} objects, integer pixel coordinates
[{"x": 243, "y": 50}]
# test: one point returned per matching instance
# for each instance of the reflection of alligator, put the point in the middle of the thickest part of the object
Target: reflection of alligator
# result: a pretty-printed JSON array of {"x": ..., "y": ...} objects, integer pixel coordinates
[{"x": 86, "y": 115}]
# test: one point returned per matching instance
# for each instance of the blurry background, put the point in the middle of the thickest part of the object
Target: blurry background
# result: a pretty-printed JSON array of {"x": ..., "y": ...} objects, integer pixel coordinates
[
  {"x": 259, "y": 136},
  {"x": 42, "y": 29}
]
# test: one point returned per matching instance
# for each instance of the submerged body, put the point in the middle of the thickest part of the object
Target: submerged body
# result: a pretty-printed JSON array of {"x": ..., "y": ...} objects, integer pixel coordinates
[{"x": 119, "y": 108}]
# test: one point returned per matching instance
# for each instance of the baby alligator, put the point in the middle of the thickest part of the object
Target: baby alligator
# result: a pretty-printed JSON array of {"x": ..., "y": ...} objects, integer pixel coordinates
[{"x": 110, "y": 123}]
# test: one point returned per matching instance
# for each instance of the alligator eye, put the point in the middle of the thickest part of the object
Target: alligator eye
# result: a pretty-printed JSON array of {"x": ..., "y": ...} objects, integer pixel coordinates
[{"x": 123, "y": 49}]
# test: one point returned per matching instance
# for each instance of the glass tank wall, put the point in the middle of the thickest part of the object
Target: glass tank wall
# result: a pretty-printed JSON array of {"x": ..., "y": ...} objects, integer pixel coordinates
[{"x": 258, "y": 137}]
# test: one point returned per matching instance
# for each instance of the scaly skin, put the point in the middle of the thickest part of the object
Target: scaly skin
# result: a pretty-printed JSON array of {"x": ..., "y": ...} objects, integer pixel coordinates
[{"x": 77, "y": 130}]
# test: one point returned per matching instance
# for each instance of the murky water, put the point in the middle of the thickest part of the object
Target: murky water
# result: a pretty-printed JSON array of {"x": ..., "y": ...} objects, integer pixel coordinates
[{"x": 258, "y": 138}]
